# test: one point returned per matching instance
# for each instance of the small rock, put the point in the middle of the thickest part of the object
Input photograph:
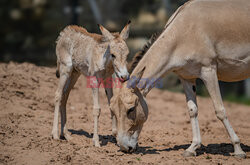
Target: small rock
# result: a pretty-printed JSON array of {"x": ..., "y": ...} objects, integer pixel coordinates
[
  {"x": 35, "y": 79},
  {"x": 111, "y": 154},
  {"x": 68, "y": 158},
  {"x": 120, "y": 154}
]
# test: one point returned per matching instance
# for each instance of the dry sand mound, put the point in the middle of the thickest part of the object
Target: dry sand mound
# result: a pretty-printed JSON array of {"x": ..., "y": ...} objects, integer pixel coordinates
[{"x": 26, "y": 114}]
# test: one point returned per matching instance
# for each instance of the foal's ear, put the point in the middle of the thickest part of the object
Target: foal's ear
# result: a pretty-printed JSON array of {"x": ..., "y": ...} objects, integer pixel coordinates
[
  {"x": 107, "y": 36},
  {"x": 125, "y": 31},
  {"x": 106, "y": 56}
]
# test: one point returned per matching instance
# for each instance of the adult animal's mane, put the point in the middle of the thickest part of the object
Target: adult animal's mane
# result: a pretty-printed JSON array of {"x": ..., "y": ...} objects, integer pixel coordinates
[{"x": 139, "y": 55}]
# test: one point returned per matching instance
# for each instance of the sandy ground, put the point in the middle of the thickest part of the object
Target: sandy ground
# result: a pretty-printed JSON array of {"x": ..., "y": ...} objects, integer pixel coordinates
[{"x": 26, "y": 115}]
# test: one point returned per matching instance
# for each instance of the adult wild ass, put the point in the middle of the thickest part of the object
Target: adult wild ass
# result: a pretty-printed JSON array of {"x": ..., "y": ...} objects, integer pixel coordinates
[
  {"x": 80, "y": 52},
  {"x": 206, "y": 39}
]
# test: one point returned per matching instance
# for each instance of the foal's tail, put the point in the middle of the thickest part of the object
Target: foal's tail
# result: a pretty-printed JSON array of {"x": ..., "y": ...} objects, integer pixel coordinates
[{"x": 57, "y": 70}]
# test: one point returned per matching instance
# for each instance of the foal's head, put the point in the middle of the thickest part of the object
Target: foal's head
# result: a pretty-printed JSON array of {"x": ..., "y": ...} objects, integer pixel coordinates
[{"x": 117, "y": 50}]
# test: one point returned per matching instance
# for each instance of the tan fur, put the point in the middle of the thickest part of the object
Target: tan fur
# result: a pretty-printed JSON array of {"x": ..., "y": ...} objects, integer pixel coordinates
[
  {"x": 80, "y": 29},
  {"x": 206, "y": 39},
  {"x": 80, "y": 52}
]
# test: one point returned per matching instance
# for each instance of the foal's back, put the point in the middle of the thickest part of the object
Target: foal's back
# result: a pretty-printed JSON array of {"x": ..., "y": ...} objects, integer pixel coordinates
[{"x": 75, "y": 47}]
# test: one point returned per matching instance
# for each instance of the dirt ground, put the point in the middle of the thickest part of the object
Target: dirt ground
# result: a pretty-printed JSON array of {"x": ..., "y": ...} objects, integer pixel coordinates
[{"x": 26, "y": 115}]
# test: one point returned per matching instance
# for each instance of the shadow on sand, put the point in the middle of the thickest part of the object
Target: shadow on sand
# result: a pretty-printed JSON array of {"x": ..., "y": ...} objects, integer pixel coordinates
[
  {"x": 225, "y": 149},
  {"x": 105, "y": 139}
]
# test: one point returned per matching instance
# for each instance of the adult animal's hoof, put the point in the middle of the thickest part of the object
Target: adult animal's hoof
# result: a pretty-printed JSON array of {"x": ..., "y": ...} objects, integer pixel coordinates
[
  {"x": 240, "y": 155},
  {"x": 97, "y": 144},
  {"x": 188, "y": 153}
]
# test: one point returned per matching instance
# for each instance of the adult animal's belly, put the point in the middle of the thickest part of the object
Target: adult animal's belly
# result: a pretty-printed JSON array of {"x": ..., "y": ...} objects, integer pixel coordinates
[{"x": 231, "y": 70}]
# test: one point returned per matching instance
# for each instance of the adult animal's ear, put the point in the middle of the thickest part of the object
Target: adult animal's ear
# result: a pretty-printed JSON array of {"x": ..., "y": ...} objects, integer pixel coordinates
[
  {"x": 106, "y": 35},
  {"x": 125, "y": 31},
  {"x": 115, "y": 103},
  {"x": 135, "y": 79}
]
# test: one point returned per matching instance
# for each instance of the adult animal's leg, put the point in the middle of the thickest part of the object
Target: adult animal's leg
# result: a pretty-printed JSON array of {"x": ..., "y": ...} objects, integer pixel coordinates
[
  {"x": 190, "y": 92},
  {"x": 209, "y": 77}
]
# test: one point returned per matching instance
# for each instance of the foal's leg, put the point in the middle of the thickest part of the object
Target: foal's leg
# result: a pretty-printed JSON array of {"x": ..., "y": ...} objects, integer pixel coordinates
[
  {"x": 109, "y": 94},
  {"x": 96, "y": 113},
  {"x": 190, "y": 92},
  {"x": 65, "y": 72},
  {"x": 209, "y": 77},
  {"x": 66, "y": 82},
  {"x": 68, "y": 86}
]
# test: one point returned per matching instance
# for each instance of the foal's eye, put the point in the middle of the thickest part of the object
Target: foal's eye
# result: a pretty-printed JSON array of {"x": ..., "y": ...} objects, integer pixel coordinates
[
  {"x": 130, "y": 113},
  {"x": 112, "y": 55}
]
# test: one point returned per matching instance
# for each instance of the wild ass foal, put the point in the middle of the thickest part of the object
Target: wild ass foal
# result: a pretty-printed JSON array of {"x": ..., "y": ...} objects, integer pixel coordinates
[
  {"x": 79, "y": 52},
  {"x": 206, "y": 39}
]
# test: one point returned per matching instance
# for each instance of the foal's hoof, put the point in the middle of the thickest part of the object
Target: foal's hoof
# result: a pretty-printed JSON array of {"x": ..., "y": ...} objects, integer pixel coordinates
[
  {"x": 55, "y": 136},
  {"x": 188, "y": 153},
  {"x": 114, "y": 133},
  {"x": 67, "y": 136},
  {"x": 240, "y": 155}
]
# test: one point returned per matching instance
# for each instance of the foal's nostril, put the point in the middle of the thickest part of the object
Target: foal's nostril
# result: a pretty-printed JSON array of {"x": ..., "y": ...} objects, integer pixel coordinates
[
  {"x": 130, "y": 149},
  {"x": 123, "y": 78}
]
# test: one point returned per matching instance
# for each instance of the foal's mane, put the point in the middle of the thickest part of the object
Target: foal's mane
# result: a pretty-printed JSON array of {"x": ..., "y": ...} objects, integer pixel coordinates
[{"x": 82, "y": 30}]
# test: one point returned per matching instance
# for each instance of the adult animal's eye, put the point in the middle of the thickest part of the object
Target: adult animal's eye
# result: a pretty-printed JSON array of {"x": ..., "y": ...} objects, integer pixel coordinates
[
  {"x": 112, "y": 55},
  {"x": 131, "y": 113}
]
